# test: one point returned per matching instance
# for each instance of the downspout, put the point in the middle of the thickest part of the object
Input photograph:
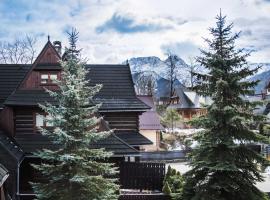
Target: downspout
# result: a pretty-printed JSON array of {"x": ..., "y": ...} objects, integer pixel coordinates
[{"x": 18, "y": 178}]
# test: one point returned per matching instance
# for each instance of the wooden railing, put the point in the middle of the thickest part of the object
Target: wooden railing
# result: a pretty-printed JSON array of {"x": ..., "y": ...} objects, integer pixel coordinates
[{"x": 142, "y": 176}]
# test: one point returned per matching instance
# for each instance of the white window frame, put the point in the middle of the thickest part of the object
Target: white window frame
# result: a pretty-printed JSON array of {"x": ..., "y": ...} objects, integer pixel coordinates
[
  {"x": 42, "y": 117},
  {"x": 43, "y": 79},
  {"x": 49, "y": 79}
]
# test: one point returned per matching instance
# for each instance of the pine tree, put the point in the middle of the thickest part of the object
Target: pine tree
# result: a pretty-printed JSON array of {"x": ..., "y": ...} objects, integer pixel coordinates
[
  {"x": 170, "y": 118},
  {"x": 223, "y": 167},
  {"x": 166, "y": 189},
  {"x": 75, "y": 170}
]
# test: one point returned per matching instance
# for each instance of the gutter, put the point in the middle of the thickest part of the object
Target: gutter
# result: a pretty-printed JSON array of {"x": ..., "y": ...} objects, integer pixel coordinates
[{"x": 18, "y": 176}]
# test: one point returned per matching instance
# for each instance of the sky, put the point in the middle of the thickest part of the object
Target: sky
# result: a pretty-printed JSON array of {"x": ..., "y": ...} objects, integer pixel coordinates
[{"x": 112, "y": 31}]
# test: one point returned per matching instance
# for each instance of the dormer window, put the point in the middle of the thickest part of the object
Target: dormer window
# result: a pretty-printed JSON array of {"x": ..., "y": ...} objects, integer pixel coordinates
[
  {"x": 44, "y": 78},
  {"x": 48, "y": 78}
]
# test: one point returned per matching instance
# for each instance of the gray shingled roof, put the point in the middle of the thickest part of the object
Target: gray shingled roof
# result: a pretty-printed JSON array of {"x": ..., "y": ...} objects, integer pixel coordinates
[
  {"x": 10, "y": 77},
  {"x": 149, "y": 120},
  {"x": 188, "y": 98},
  {"x": 117, "y": 92},
  {"x": 33, "y": 142},
  {"x": 134, "y": 139},
  {"x": 11, "y": 146},
  {"x": 46, "y": 66}
]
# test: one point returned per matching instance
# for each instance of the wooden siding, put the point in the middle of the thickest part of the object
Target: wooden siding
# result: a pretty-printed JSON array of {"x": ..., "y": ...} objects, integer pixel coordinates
[
  {"x": 48, "y": 55},
  {"x": 7, "y": 120},
  {"x": 24, "y": 121},
  {"x": 190, "y": 113},
  {"x": 34, "y": 81},
  {"x": 123, "y": 122}
]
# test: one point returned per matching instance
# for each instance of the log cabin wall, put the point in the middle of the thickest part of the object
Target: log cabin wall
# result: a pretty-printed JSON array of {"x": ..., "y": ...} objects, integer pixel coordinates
[
  {"x": 24, "y": 120},
  {"x": 48, "y": 56},
  {"x": 190, "y": 113},
  {"x": 7, "y": 120},
  {"x": 123, "y": 122}
]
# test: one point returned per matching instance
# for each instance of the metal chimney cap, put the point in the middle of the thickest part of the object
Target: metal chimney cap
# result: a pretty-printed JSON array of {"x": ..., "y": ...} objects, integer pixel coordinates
[{"x": 57, "y": 43}]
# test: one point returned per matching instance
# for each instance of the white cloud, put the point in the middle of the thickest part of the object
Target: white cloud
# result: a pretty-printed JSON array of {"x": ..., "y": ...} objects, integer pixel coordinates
[{"x": 188, "y": 21}]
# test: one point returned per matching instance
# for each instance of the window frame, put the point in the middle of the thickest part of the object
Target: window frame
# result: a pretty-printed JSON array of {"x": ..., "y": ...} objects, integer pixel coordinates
[
  {"x": 50, "y": 81},
  {"x": 45, "y": 124}
]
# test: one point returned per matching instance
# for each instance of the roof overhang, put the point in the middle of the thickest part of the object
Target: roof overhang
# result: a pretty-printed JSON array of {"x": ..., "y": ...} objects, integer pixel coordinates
[{"x": 134, "y": 139}]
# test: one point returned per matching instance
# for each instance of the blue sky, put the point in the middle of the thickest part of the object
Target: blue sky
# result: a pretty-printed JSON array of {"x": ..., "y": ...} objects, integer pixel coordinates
[{"x": 111, "y": 31}]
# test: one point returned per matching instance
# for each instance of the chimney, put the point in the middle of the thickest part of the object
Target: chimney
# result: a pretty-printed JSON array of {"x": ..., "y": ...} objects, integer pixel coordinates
[{"x": 58, "y": 47}]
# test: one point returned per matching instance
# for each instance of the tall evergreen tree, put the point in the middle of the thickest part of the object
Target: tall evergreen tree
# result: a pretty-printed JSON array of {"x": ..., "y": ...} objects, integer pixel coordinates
[
  {"x": 223, "y": 166},
  {"x": 74, "y": 170}
]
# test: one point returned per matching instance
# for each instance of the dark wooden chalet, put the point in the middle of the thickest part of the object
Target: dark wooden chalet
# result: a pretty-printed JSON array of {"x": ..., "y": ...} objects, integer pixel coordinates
[{"x": 22, "y": 89}]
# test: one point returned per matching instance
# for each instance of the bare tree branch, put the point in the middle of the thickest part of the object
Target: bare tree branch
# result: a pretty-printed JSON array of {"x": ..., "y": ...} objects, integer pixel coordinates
[{"x": 20, "y": 51}]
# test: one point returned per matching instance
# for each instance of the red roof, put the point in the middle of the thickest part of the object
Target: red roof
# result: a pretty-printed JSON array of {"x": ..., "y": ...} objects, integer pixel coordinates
[{"x": 149, "y": 120}]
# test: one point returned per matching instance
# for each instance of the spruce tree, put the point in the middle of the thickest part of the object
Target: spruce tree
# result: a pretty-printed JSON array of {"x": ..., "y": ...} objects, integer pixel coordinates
[
  {"x": 74, "y": 170},
  {"x": 223, "y": 166}
]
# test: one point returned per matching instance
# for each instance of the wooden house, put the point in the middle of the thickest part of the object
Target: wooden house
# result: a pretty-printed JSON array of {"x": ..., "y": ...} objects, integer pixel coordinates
[
  {"x": 188, "y": 103},
  {"x": 150, "y": 125},
  {"x": 22, "y": 89}
]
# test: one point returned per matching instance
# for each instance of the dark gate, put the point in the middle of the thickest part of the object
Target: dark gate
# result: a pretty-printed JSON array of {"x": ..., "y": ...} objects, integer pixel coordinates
[
  {"x": 143, "y": 176},
  {"x": 144, "y": 197}
]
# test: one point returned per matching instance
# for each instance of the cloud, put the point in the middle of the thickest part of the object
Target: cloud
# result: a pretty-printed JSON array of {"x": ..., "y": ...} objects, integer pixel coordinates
[
  {"x": 115, "y": 30},
  {"x": 186, "y": 49},
  {"x": 127, "y": 24}
]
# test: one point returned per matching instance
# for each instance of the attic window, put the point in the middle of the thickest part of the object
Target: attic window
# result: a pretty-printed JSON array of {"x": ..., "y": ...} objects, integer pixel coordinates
[
  {"x": 48, "y": 78},
  {"x": 44, "y": 78}
]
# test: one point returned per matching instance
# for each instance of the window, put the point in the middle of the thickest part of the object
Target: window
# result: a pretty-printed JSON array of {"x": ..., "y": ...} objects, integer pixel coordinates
[
  {"x": 44, "y": 78},
  {"x": 132, "y": 159},
  {"x": 48, "y": 78},
  {"x": 53, "y": 78},
  {"x": 41, "y": 120}
]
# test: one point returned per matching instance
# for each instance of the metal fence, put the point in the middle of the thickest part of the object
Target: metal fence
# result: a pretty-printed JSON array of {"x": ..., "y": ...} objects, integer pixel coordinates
[
  {"x": 144, "y": 197},
  {"x": 142, "y": 176}
]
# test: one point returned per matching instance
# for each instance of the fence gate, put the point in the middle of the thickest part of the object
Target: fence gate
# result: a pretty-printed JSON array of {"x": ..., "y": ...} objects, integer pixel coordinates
[{"x": 143, "y": 176}]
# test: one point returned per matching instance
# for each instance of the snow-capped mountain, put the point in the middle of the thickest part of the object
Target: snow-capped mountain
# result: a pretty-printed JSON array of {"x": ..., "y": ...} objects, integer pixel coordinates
[
  {"x": 264, "y": 67},
  {"x": 157, "y": 68},
  {"x": 263, "y": 77}
]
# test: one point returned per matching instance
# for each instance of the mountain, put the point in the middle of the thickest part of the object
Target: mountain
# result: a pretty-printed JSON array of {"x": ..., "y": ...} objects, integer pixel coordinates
[
  {"x": 263, "y": 76},
  {"x": 264, "y": 79},
  {"x": 264, "y": 67},
  {"x": 156, "y": 68}
]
